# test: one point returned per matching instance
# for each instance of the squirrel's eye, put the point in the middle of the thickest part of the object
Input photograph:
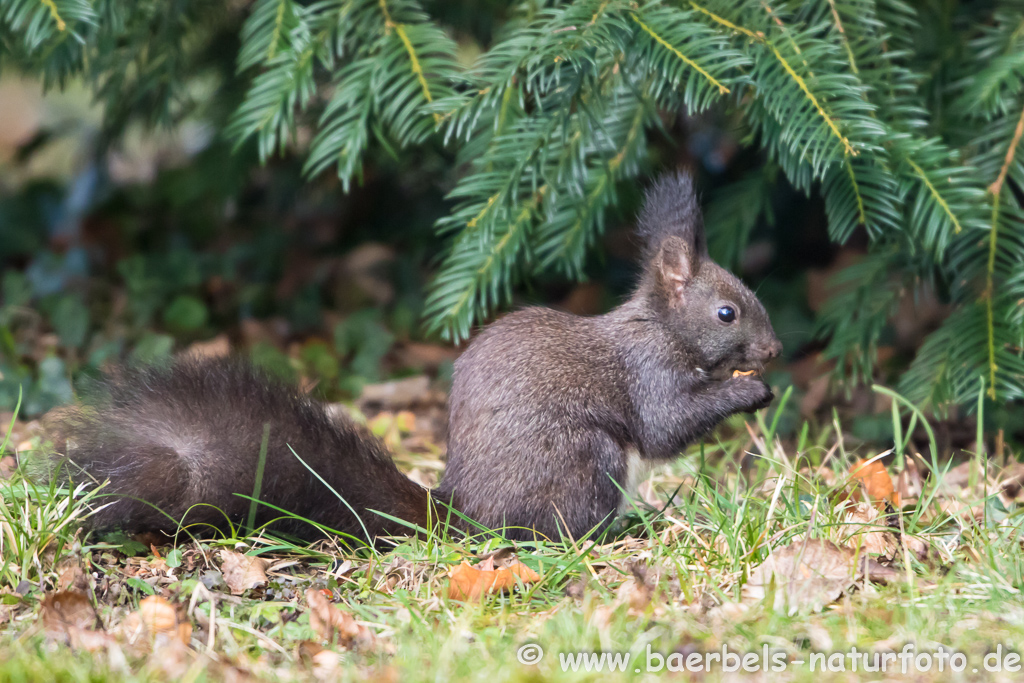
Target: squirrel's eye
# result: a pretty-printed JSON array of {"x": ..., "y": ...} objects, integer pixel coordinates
[{"x": 726, "y": 314}]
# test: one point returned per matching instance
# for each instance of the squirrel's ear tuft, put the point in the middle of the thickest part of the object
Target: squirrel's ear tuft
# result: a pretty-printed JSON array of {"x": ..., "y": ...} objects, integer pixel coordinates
[{"x": 671, "y": 211}]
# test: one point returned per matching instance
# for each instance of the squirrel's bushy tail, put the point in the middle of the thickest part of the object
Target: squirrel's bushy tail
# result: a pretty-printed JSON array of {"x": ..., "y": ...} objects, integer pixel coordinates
[{"x": 178, "y": 442}]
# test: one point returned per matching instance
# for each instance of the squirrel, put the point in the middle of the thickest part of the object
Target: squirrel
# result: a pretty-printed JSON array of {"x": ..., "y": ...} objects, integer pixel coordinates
[{"x": 553, "y": 417}]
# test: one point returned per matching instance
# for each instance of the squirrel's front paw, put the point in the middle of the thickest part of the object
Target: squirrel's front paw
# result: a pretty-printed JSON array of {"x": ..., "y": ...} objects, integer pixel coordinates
[{"x": 754, "y": 393}]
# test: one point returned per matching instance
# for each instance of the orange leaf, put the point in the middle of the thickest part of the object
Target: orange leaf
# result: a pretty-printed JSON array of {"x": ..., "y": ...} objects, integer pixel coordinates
[
  {"x": 472, "y": 583},
  {"x": 160, "y": 619},
  {"x": 875, "y": 480}
]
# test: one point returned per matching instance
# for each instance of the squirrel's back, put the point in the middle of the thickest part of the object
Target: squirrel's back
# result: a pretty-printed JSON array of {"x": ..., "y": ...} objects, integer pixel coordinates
[
  {"x": 540, "y": 417},
  {"x": 186, "y": 438}
]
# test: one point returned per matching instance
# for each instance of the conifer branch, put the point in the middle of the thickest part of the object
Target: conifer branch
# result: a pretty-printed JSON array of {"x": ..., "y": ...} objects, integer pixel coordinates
[
  {"x": 936, "y": 195},
  {"x": 686, "y": 60},
  {"x": 847, "y": 147},
  {"x": 58, "y": 22},
  {"x": 725, "y": 22}
]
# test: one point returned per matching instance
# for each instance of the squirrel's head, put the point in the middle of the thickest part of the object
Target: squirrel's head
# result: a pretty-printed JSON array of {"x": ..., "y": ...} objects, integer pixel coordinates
[{"x": 711, "y": 314}]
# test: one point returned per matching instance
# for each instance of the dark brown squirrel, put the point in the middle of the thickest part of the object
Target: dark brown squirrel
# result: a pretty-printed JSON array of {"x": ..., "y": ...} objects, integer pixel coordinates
[{"x": 551, "y": 417}]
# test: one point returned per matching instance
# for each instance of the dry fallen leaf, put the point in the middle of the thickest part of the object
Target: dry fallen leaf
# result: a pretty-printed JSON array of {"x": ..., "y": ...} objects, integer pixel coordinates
[
  {"x": 242, "y": 572},
  {"x": 876, "y": 482},
  {"x": 467, "y": 582},
  {"x": 71, "y": 576},
  {"x": 69, "y": 617},
  {"x": 809, "y": 574},
  {"x": 158, "y": 615},
  {"x": 867, "y": 530},
  {"x": 65, "y": 612},
  {"x": 160, "y": 619},
  {"x": 334, "y": 625}
]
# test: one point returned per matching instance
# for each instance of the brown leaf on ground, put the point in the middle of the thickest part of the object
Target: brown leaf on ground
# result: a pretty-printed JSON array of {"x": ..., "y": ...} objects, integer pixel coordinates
[
  {"x": 467, "y": 582},
  {"x": 809, "y": 574},
  {"x": 335, "y": 625},
  {"x": 865, "y": 528},
  {"x": 158, "y": 615},
  {"x": 65, "y": 613},
  {"x": 159, "y": 619},
  {"x": 71, "y": 576},
  {"x": 242, "y": 572},
  {"x": 875, "y": 482},
  {"x": 69, "y": 617}
]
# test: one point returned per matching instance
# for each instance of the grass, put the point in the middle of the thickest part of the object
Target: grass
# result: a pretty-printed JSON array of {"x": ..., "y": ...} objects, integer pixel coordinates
[{"x": 670, "y": 583}]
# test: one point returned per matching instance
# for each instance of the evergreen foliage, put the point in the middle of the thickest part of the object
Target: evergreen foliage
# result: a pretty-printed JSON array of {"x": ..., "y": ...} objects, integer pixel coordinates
[{"x": 907, "y": 118}]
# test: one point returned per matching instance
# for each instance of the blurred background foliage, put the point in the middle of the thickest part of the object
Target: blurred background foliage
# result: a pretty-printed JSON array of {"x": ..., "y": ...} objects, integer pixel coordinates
[{"x": 335, "y": 186}]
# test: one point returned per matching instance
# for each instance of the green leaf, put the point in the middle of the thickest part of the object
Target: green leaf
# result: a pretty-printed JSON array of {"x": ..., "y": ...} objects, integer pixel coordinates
[{"x": 185, "y": 314}]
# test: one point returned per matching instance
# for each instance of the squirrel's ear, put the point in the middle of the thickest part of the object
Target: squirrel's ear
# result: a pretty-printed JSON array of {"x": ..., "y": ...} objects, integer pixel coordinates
[{"x": 675, "y": 265}]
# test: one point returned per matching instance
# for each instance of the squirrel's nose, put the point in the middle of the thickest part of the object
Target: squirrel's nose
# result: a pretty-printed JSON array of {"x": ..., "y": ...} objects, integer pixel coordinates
[{"x": 770, "y": 350}]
